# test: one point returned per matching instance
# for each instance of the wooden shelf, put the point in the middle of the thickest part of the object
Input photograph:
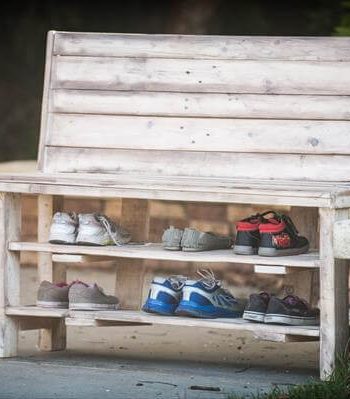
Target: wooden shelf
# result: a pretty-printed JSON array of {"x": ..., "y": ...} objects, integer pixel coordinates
[
  {"x": 131, "y": 318},
  {"x": 155, "y": 251},
  {"x": 35, "y": 311}
]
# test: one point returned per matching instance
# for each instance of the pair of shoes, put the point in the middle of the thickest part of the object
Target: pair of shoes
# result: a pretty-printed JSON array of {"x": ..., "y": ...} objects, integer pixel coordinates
[
  {"x": 290, "y": 310},
  {"x": 192, "y": 240},
  {"x": 273, "y": 236},
  {"x": 75, "y": 296},
  {"x": 204, "y": 298},
  {"x": 86, "y": 229}
]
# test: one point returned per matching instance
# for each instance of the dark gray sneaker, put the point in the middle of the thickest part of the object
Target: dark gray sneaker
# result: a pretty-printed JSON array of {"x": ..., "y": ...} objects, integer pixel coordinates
[
  {"x": 256, "y": 307},
  {"x": 195, "y": 241},
  {"x": 291, "y": 310},
  {"x": 85, "y": 297},
  {"x": 52, "y": 295}
]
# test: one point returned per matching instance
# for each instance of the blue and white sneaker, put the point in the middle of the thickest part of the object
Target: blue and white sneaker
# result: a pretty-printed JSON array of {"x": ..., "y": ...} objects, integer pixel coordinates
[
  {"x": 164, "y": 295},
  {"x": 206, "y": 298}
]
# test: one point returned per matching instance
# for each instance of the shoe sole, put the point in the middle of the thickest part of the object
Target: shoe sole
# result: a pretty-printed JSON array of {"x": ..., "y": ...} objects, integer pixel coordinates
[
  {"x": 193, "y": 310},
  {"x": 290, "y": 320},
  {"x": 158, "y": 307},
  {"x": 62, "y": 238},
  {"x": 50, "y": 304},
  {"x": 172, "y": 248},
  {"x": 244, "y": 250},
  {"x": 254, "y": 316},
  {"x": 93, "y": 306},
  {"x": 267, "y": 251}
]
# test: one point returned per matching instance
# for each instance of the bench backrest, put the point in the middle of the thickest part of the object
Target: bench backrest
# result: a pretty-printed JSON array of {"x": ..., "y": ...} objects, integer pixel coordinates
[{"x": 216, "y": 106}]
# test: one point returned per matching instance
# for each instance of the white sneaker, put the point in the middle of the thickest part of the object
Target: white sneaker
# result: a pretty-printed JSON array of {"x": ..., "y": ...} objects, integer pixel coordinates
[
  {"x": 95, "y": 229},
  {"x": 64, "y": 228}
]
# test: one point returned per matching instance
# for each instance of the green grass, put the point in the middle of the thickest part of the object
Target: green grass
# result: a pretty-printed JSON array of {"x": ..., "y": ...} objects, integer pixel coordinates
[{"x": 336, "y": 386}]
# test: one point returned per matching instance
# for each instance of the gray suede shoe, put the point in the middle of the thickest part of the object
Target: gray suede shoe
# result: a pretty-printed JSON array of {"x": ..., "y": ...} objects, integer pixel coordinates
[
  {"x": 86, "y": 297},
  {"x": 52, "y": 295},
  {"x": 195, "y": 241},
  {"x": 172, "y": 239}
]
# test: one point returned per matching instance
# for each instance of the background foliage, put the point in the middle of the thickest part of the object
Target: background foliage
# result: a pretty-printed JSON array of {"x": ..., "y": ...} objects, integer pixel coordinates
[{"x": 24, "y": 25}]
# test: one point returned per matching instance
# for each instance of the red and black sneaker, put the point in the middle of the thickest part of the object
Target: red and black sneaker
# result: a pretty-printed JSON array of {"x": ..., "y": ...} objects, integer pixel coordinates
[
  {"x": 279, "y": 237},
  {"x": 247, "y": 235}
]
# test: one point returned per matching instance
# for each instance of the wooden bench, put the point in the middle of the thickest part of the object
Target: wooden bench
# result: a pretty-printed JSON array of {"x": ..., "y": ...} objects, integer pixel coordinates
[{"x": 239, "y": 120}]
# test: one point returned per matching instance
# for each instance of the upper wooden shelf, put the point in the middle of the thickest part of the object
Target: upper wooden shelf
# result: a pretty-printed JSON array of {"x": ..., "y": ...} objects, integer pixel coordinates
[{"x": 155, "y": 251}]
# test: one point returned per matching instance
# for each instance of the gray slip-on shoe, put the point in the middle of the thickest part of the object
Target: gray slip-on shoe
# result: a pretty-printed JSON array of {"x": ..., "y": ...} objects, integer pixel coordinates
[
  {"x": 52, "y": 295},
  {"x": 86, "y": 297},
  {"x": 172, "y": 239},
  {"x": 195, "y": 241}
]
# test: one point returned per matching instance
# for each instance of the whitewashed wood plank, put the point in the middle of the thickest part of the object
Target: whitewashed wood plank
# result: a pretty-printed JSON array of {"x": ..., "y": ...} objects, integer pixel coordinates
[
  {"x": 334, "y": 301},
  {"x": 10, "y": 229},
  {"x": 234, "y": 196},
  {"x": 221, "y": 76},
  {"x": 199, "y": 164},
  {"x": 52, "y": 339},
  {"x": 341, "y": 239},
  {"x": 110, "y": 180},
  {"x": 35, "y": 311},
  {"x": 135, "y": 218},
  {"x": 46, "y": 96},
  {"x": 155, "y": 251},
  {"x": 210, "y": 105},
  {"x": 200, "y": 134},
  {"x": 215, "y": 47},
  {"x": 235, "y": 324}
]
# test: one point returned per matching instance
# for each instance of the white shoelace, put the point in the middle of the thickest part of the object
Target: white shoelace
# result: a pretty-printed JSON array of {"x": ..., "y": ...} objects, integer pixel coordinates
[{"x": 107, "y": 225}]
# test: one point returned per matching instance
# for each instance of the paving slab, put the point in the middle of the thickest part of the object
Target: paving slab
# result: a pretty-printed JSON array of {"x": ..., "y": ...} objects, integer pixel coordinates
[{"x": 72, "y": 375}]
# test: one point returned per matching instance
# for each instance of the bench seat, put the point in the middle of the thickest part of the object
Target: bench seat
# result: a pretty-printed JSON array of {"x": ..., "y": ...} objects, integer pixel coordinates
[{"x": 178, "y": 188}]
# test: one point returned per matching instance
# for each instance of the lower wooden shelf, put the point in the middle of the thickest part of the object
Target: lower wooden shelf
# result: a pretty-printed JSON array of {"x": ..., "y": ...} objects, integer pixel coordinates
[{"x": 132, "y": 318}]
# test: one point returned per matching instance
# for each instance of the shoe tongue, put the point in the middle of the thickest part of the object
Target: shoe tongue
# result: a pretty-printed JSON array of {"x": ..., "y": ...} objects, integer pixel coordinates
[
  {"x": 61, "y": 285},
  {"x": 266, "y": 296},
  {"x": 273, "y": 221},
  {"x": 79, "y": 282},
  {"x": 293, "y": 300}
]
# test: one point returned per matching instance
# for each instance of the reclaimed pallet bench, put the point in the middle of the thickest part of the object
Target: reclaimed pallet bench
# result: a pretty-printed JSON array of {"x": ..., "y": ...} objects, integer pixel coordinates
[{"x": 239, "y": 120}]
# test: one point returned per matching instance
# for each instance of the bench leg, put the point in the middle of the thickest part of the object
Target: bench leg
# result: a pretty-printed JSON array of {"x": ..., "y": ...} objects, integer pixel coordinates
[
  {"x": 53, "y": 339},
  {"x": 10, "y": 230},
  {"x": 130, "y": 272},
  {"x": 334, "y": 303}
]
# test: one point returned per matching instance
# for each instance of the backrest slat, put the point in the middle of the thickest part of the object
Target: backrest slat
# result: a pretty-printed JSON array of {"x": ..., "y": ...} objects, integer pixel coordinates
[{"x": 240, "y": 107}]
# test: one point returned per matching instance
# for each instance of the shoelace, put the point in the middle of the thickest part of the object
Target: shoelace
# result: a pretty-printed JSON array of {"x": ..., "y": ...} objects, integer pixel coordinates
[
  {"x": 208, "y": 279},
  {"x": 177, "y": 281},
  {"x": 108, "y": 224},
  {"x": 286, "y": 219}
]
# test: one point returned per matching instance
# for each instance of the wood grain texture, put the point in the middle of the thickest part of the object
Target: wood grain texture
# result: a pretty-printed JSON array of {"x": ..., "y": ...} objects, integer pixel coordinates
[
  {"x": 130, "y": 271},
  {"x": 334, "y": 303},
  {"x": 212, "y": 47},
  {"x": 235, "y": 324},
  {"x": 199, "y": 134},
  {"x": 341, "y": 239},
  {"x": 193, "y": 75},
  {"x": 10, "y": 229},
  {"x": 208, "y": 105},
  {"x": 155, "y": 251},
  {"x": 283, "y": 192},
  {"x": 198, "y": 164},
  {"x": 46, "y": 95},
  {"x": 52, "y": 339}
]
